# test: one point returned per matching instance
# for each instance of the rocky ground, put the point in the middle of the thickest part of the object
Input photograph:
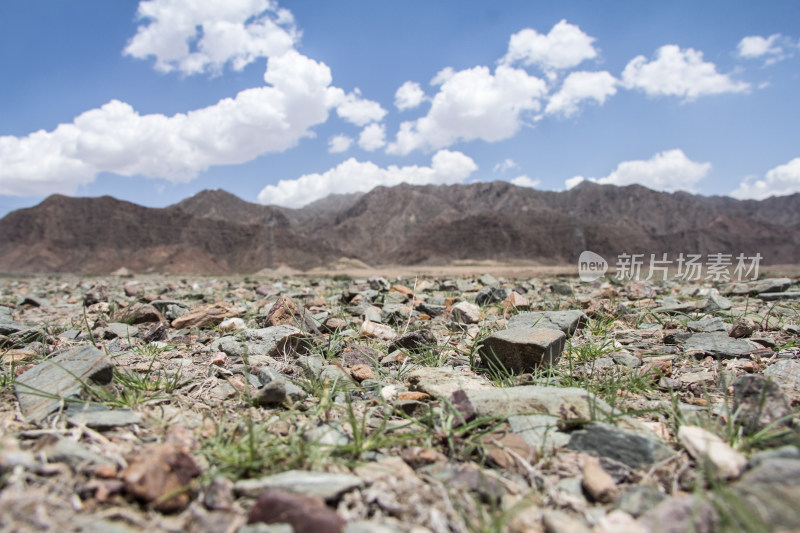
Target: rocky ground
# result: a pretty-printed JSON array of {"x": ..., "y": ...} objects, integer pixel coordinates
[{"x": 416, "y": 404}]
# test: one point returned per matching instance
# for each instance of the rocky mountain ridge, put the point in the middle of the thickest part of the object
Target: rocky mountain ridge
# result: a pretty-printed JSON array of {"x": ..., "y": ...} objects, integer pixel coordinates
[{"x": 215, "y": 232}]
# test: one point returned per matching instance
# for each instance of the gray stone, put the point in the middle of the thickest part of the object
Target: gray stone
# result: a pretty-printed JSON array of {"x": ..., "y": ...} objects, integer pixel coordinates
[
  {"x": 311, "y": 365},
  {"x": 639, "y": 499},
  {"x": 71, "y": 453},
  {"x": 490, "y": 295},
  {"x": 626, "y": 359},
  {"x": 718, "y": 345},
  {"x": 334, "y": 374},
  {"x": 759, "y": 403},
  {"x": 326, "y": 435},
  {"x": 539, "y": 431},
  {"x": 377, "y": 283},
  {"x": 444, "y": 381},
  {"x": 769, "y": 285},
  {"x": 570, "y": 404},
  {"x": 487, "y": 280},
  {"x": 717, "y": 302},
  {"x": 276, "y": 389},
  {"x": 566, "y": 321},
  {"x": 522, "y": 349},
  {"x": 787, "y": 373},
  {"x": 98, "y": 416},
  {"x": 601, "y": 362},
  {"x": 772, "y": 296},
  {"x": 628, "y": 447},
  {"x": 125, "y": 331},
  {"x": 784, "y": 452},
  {"x": 322, "y": 484},
  {"x": 770, "y": 491},
  {"x": 414, "y": 341},
  {"x": 463, "y": 285},
  {"x": 258, "y": 344},
  {"x": 707, "y": 325},
  {"x": 41, "y": 389},
  {"x": 680, "y": 514}
]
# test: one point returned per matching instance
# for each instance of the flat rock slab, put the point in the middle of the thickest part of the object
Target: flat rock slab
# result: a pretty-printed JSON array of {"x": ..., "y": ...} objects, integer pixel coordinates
[
  {"x": 321, "y": 484},
  {"x": 566, "y": 321},
  {"x": 522, "y": 349},
  {"x": 628, "y": 447},
  {"x": 718, "y": 345},
  {"x": 771, "y": 296},
  {"x": 539, "y": 431},
  {"x": 444, "y": 381},
  {"x": 99, "y": 416},
  {"x": 40, "y": 390},
  {"x": 568, "y": 403},
  {"x": 771, "y": 491}
]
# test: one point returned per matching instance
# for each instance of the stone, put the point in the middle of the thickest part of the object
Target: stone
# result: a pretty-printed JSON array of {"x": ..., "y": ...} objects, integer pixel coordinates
[
  {"x": 323, "y": 485},
  {"x": 570, "y": 404},
  {"x": 772, "y": 296},
  {"x": 287, "y": 312},
  {"x": 466, "y": 313},
  {"x": 521, "y": 350},
  {"x": 304, "y": 514},
  {"x": 718, "y": 345},
  {"x": 679, "y": 514},
  {"x": 742, "y": 327},
  {"x": 626, "y": 359},
  {"x": 597, "y": 483},
  {"x": 98, "y": 416},
  {"x": 770, "y": 491},
  {"x": 490, "y": 295},
  {"x": 487, "y": 280},
  {"x": 69, "y": 452},
  {"x": 377, "y": 283},
  {"x": 717, "y": 302},
  {"x": 555, "y": 521},
  {"x": 638, "y": 499},
  {"x": 707, "y": 325},
  {"x": 540, "y": 431},
  {"x": 118, "y": 329},
  {"x": 40, "y": 389},
  {"x": 509, "y": 451},
  {"x": 516, "y": 301},
  {"x": 759, "y": 403},
  {"x": 414, "y": 341},
  {"x": 377, "y": 331},
  {"x": 786, "y": 372},
  {"x": 628, "y": 447},
  {"x": 139, "y": 313},
  {"x": 208, "y": 315},
  {"x": 708, "y": 449},
  {"x": 255, "y": 344},
  {"x": 566, "y": 321},
  {"x": 362, "y": 372},
  {"x": 158, "y": 475},
  {"x": 230, "y": 325},
  {"x": 444, "y": 381},
  {"x": 359, "y": 354},
  {"x": 219, "y": 495}
]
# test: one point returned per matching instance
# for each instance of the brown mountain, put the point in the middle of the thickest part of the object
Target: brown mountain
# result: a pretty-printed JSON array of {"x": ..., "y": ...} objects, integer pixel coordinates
[{"x": 217, "y": 232}]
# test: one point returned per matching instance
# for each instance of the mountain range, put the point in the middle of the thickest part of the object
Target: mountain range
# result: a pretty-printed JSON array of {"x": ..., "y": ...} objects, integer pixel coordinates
[{"x": 215, "y": 232}]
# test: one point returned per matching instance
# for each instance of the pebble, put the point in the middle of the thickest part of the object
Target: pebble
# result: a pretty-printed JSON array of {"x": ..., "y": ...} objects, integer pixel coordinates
[{"x": 707, "y": 448}]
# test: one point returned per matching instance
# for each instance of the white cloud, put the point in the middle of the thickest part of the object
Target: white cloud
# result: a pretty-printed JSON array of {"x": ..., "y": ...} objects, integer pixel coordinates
[
  {"x": 355, "y": 109},
  {"x": 115, "y": 138},
  {"x": 755, "y": 46},
  {"x": 339, "y": 143},
  {"x": 504, "y": 165},
  {"x": 195, "y": 37},
  {"x": 357, "y": 176},
  {"x": 372, "y": 137},
  {"x": 569, "y": 183},
  {"x": 669, "y": 170},
  {"x": 472, "y": 104},
  {"x": 780, "y": 181},
  {"x": 408, "y": 96},
  {"x": 566, "y": 46},
  {"x": 525, "y": 181},
  {"x": 676, "y": 72},
  {"x": 580, "y": 86}
]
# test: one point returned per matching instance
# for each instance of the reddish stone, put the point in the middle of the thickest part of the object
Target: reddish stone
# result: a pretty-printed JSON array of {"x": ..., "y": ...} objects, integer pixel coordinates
[{"x": 305, "y": 514}]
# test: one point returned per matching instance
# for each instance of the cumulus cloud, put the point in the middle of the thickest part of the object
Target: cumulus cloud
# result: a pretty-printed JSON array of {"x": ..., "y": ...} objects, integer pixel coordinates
[
  {"x": 408, "y": 96},
  {"x": 195, "y": 37},
  {"x": 372, "y": 137},
  {"x": 115, "y": 138},
  {"x": 676, "y": 72},
  {"x": 580, "y": 86},
  {"x": 669, "y": 170},
  {"x": 755, "y": 46},
  {"x": 355, "y": 109},
  {"x": 472, "y": 104},
  {"x": 356, "y": 176},
  {"x": 339, "y": 143},
  {"x": 565, "y": 46},
  {"x": 525, "y": 181},
  {"x": 780, "y": 181}
]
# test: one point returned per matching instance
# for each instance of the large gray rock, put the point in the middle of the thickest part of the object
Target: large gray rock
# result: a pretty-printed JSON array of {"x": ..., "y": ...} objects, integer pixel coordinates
[
  {"x": 718, "y": 345},
  {"x": 566, "y": 321},
  {"x": 707, "y": 325},
  {"x": 568, "y": 403},
  {"x": 522, "y": 349},
  {"x": 258, "y": 344},
  {"x": 444, "y": 381},
  {"x": 759, "y": 403},
  {"x": 680, "y": 514},
  {"x": 770, "y": 491},
  {"x": 628, "y": 447},
  {"x": 41, "y": 389}
]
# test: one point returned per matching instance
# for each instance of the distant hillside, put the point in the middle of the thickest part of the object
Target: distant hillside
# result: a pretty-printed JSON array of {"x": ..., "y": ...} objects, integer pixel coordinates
[{"x": 217, "y": 232}]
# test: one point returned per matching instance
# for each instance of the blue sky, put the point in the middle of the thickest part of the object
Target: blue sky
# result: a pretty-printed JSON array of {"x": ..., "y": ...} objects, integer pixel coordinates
[{"x": 287, "y": 102}]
